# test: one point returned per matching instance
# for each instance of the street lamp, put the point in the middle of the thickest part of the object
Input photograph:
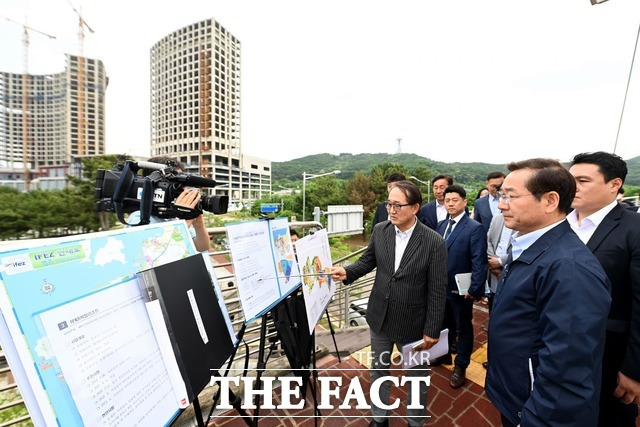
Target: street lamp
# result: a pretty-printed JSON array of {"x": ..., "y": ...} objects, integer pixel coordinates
[
  {"x": 305, "y": 177},
  {"x": 428, "y": 184}
]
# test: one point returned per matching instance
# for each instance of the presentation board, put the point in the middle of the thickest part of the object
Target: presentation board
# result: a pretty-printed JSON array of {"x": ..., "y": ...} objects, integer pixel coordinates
[
  {"x": 264, "y": 264},
  {"x": 314, "y": 260},
  {"x": 39, "y": 282}
]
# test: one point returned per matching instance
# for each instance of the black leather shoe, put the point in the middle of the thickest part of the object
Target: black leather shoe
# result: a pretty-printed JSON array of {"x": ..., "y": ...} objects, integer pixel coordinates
[
  {"x": 442, "y": 360},
  {"x": 458, "y": 377},
  {"x": 375, "y": 423}
]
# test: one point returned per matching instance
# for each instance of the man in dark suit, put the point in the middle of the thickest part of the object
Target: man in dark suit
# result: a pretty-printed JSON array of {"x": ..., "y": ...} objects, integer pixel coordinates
[
  {"x": 486, "y": 207},
  {"x": 612, "y": 233},
  {"x": 466, "y": 253},
  {"x": 434, "y": 212},
  {"x": 381, "y": 212},
  {"x": 408, "y": 295},
  {"x": 547, "y": 328}
]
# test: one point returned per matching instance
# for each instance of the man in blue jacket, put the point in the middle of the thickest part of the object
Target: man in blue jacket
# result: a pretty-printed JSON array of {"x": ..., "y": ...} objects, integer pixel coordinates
[{"x": 547, "y": 327}]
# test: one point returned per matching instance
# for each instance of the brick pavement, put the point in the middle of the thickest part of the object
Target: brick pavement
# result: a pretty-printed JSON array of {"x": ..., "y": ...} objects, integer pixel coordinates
[{"x": 464, "y": 407}]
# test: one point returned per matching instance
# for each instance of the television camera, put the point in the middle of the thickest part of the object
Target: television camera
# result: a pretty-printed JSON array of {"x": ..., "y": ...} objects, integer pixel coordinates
[{"x": 122, "y": 190}]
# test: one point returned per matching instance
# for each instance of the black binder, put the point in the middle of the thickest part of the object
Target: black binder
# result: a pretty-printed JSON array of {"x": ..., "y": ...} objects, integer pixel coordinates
[{"x": 172, "y": 284}]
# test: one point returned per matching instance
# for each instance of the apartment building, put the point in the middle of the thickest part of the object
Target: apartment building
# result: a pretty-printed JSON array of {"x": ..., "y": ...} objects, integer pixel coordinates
[
  {"x": 45, "y": 120},
  {"x": 195, "y": 108}
]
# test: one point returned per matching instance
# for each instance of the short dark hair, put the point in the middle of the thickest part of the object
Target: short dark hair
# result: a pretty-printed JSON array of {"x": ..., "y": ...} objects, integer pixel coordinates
[
  {"x": 293, "y": 232},
  {"x": 456, "y": 189},
  {"x": 480, "y": 192},
  {"x": 611, "y": 166},
  {"x": 395, "y": 177},
  {"x": 494, "y": 175},
  {"x": 410, "y": 191},
  {"x": 549, "y": 175},
  {"x": 164, "y": 160},
  {"x": 449, "y": 178}
]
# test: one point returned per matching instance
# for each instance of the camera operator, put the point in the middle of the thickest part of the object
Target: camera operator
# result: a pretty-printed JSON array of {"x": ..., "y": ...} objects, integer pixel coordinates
[{"x": 189, "y": 199}]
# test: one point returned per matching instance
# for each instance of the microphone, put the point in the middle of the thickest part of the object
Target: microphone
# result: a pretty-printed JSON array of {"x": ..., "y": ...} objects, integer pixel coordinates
[{"x": 198, "y": 181}]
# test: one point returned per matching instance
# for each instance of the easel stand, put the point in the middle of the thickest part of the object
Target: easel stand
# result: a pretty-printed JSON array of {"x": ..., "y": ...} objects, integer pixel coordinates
[
  {"x": 235, "y": 400},
  {"x": 333, "y": 335},
  {"x": 300, "y": 356}
]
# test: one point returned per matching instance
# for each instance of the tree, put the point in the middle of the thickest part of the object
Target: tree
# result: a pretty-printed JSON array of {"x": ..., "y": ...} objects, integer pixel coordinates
[
  {"x": 379, "y": 175},
  {"x": 359, "y": 192},
  {"x": 13, "y": 213},
  {"x": 84, "y": 199},
  {"x": 324, "y": 191}
]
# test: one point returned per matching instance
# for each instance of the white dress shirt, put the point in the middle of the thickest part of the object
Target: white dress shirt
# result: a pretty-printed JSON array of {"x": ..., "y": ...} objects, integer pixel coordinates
[
  {"x": 456, "y": 220},
  {"x": 441, "y": 211},
  {"x": 493, "y": 205},
  {"x": 520, "y": 243},
  {"x": 590, "y": 223},
  {"x": 402, "y": 238},
  {"x": 503, "y": 244}
]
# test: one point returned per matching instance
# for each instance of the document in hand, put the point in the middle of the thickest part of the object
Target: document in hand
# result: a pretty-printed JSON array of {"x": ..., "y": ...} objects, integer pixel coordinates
[
  {"x": 463, "y": 282},
  {"x": 411, "y": 357}
]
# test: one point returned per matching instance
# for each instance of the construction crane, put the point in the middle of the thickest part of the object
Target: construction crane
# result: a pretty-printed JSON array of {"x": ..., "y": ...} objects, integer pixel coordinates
[
  {"x": 81, "y": 149},
  {"x": 25, "y": 98}
]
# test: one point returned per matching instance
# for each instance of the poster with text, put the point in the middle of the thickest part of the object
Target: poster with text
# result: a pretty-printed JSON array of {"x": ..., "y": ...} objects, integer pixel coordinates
[
  {"x": 37, "y": 276},
  {"x": 264, "y": 264},
  {"x": 314, "y": 260}
]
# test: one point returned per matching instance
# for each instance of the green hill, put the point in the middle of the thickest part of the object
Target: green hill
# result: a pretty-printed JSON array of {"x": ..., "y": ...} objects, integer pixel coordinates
[{"x": 349, "y": 164}]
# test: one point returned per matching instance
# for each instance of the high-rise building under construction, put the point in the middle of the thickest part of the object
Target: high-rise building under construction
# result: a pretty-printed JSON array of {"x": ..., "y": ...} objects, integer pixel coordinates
[
  {"x": 195, "y": 108},
  {"x": 63, "y": 114}
]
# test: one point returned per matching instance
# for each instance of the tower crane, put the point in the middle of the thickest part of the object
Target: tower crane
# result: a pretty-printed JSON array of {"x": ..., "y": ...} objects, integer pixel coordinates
[
  {"x": 25, "y": 98},
  {"x": 81, "y": 149}
]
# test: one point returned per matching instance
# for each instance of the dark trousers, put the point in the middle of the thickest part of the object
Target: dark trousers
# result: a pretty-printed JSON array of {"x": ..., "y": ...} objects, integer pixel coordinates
[
  {"x": 381, "y": 350},
  {"x": 506, "y": 422},
  {"x": 463, "y": 312},
  {"x": 449, "y": 322},
  {"x": 612, "y": 411}
]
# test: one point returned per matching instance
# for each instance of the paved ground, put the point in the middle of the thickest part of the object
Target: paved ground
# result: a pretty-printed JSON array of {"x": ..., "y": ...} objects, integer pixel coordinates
[{"x": 466, "y": 406}]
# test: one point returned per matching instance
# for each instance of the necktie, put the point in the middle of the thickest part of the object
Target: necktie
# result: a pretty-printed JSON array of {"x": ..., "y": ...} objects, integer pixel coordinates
[{"x": 449, "y": 229}]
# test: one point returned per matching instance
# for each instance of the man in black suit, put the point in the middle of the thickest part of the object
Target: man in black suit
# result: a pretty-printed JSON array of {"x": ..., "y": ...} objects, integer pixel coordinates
[
  {"x": 466, "y": 243},
  {"x": 408, "y": 295},
  {"x": 612, "y": 233},
  {"x": 486, "y": 207},
  {"x": 381, "y": 212},
  {"x": 434, "y": 212}
]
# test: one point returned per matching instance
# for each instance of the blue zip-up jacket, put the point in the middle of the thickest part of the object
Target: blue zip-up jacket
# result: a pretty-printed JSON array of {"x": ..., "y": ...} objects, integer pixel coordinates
[{"x": 547, "y": 334}]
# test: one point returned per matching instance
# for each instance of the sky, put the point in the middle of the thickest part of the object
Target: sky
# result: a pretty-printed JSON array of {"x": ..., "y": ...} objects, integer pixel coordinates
[{"x": 457, "y": 80}]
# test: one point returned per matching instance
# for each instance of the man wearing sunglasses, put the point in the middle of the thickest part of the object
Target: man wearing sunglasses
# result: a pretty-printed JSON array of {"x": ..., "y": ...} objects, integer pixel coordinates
[{"x": 408, "y": 295}]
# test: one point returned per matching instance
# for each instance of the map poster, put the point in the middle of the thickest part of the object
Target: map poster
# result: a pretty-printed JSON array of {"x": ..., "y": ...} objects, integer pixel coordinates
[
  {"x": 264, "y": 264},
  {"x": 37, "y": 278},
  {"x": 314, "y": 259}
]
